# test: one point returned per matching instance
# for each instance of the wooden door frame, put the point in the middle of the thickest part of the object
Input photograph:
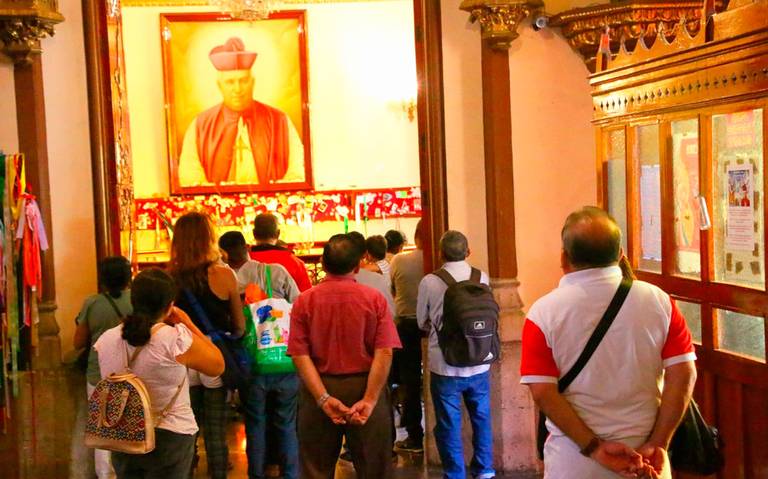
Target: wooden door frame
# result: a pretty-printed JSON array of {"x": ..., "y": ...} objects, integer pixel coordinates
[{"x": 431, "y": 127}]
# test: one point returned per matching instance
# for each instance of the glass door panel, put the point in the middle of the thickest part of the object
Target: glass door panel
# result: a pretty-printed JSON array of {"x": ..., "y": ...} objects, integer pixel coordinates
[
  {"x": 692, "y": 314},
  {"x": 741, "y": 334},
  {"x": 616, "y": 179},
  {"x": 685, "y": 177},
  {"x": 739, "y": 230},
  {"x": 647, "y": 154}
]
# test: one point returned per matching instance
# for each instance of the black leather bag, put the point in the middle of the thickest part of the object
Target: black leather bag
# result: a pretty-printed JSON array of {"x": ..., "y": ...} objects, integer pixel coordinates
[{"x": 696, "y": 447}]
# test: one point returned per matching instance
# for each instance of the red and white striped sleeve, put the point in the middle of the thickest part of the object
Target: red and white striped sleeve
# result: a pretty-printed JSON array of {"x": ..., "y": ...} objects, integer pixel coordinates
[
  {"x": 678, "y": 348},
  {"x": 537, "y": 364}
]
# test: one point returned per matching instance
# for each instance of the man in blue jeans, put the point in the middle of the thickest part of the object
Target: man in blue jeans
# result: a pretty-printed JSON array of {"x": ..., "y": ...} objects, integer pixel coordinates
[{"x": 450, "y": 384}]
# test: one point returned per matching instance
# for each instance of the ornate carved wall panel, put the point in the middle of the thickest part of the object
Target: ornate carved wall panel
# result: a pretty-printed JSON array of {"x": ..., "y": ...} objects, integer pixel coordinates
[
  {"x": 682, "y": 74},
  {"x": 627, "y": 20},
  {"x": 124, "y": 169}
]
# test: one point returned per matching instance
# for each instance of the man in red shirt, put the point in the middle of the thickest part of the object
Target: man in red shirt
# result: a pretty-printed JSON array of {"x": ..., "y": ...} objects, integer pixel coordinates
[
  {"x": 341, "y": 341},
  {"x": 266, "y": 232}
]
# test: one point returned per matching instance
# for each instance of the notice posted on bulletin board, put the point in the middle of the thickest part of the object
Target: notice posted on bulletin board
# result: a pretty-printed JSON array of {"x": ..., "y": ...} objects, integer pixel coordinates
[
  {"x": 650, "y": 212},
  {"x": 739, "y": 229}
]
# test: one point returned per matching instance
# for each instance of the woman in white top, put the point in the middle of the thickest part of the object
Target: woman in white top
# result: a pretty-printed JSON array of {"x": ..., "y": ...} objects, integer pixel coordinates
[{"x": 170, "y": 343}]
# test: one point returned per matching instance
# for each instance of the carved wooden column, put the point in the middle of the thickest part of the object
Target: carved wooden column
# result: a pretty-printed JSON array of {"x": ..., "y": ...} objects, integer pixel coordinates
[
  {"x": 110, "y": 132},
  {"x": 22, "y": 24},
  {"x": 511, "y": 405}
]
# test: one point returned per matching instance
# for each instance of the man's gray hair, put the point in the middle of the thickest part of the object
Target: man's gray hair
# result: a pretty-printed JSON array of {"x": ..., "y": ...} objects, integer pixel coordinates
[
  {"x": 591, "y": 238},
  {"x": 454, "y": 246}
]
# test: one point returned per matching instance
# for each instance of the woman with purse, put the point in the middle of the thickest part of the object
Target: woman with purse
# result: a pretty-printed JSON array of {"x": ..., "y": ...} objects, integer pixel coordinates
[
  {"x": 99, "y": 313},
  {"x": 162, "y": 343},
  {"x": 207, "y": 287}
]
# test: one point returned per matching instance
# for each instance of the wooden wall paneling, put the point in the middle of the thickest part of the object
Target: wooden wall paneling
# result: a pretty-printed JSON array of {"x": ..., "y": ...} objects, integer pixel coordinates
[
  {"x": 733, "y": 367},
  {"x": 431, "y": 123},
  {"x": 756, "y": 422},
  {"x": 730, "y": 421}
]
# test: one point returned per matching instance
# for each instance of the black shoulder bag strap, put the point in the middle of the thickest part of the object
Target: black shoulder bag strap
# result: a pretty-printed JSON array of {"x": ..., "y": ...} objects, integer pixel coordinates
[
  {"x": 445, "y": 276},
  {"x": 586, "y": 354},
  {"x": 114, "y": 305},
  {"x": 475, "y": 276}
]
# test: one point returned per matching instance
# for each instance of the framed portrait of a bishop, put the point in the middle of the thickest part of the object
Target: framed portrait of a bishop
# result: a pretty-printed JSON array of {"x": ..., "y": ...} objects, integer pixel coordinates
[{"x": 236, "y": 103}]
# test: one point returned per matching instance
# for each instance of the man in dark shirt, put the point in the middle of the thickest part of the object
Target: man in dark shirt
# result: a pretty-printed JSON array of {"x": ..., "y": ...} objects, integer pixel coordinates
[
  {"x": 266, "y": 233},
  {"x": 341, "y": 341}
]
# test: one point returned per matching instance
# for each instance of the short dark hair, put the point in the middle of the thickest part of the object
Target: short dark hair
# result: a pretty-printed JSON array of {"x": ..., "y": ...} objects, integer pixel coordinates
[
  {"x": 265, "y": 227},
  {"x": 376, "y": 246},
  {"x": 395, "y": 241},
  {"x": 591, "y": 238},
  {"x": 358, "y": 240},
  {"x": 115, "y": 274},
  {"x": 233, "y": 242},
  {"x": 454, "y": 246},
  {"x": 340, "y": 255}
]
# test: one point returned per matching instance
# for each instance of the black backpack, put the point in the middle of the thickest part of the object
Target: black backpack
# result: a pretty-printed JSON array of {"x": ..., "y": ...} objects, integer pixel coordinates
[{"x": 469, "y": 334}]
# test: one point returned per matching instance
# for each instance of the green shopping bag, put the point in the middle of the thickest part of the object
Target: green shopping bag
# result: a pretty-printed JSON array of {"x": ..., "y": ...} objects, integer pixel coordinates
[{"x": 268, "y": 324}]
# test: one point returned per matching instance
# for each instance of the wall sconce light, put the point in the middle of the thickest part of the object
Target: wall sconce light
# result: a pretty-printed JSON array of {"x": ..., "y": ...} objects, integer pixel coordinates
[{"x": 409, "y": 108}]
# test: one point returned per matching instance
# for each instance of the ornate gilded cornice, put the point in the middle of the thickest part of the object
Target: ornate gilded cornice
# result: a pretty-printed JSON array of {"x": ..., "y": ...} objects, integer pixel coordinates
[
  {"x": 203, "y": 3},
  {"x": 499, "y": 19},
  {"x": 23, "y": 23},
  {"x": 629, "y": 20}
]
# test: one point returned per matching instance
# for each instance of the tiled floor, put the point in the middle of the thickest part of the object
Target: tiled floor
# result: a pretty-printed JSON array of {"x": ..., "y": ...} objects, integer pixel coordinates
[{"x": 39, "y": 440}]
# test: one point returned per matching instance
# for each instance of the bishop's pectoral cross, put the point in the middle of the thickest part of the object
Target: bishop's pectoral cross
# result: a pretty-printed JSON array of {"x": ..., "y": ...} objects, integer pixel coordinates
[{"x": 241, "y": 145}]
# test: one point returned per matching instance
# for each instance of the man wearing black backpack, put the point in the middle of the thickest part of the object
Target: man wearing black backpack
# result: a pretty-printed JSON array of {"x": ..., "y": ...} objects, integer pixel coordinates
[{"x": 455, "y": 306}]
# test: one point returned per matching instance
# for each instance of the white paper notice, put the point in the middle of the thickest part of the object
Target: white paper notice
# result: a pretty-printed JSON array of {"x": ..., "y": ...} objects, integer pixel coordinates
[
  {"x": 650, "y": 212},
  {"x": 739, "y": 226}
]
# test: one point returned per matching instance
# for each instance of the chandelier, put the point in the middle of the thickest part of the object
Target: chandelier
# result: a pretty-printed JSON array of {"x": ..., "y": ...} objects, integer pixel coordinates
[{"x": 248, "y": 10}]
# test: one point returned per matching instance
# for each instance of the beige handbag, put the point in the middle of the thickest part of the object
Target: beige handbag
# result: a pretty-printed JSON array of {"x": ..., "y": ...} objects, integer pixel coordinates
[{"x": 120, "y": 413}]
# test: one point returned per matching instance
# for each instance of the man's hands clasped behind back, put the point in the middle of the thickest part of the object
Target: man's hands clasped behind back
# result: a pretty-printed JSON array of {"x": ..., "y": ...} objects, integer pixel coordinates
[
  {"x": 646, "y": 462},
  {"x": 339, "y": 413}
]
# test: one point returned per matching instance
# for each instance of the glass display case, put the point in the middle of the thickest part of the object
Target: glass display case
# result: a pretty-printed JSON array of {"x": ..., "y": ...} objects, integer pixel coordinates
[{"x": 691, "y": 207}]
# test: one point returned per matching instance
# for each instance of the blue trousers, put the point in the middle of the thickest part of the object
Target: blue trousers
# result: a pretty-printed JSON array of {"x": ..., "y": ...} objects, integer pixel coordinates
[
  {"x": 284, "y": 388},
  {"x": 447, "y": 393}
]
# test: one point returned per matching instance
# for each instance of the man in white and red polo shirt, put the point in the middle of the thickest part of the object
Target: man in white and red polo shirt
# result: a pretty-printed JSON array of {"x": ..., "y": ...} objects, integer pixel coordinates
[{"x": 620, "y": 412}]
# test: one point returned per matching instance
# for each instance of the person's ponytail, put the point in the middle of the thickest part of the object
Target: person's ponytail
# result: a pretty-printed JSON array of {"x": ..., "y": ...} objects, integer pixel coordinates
[
  {"x": 137, "y": 328},
  {"x": 152, "y": 293}
]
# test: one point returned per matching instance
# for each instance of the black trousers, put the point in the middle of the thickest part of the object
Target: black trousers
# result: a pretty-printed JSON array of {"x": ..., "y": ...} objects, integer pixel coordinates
[
  {"x": 408, "y": 361},
  {"x": 171, "y": 458}
]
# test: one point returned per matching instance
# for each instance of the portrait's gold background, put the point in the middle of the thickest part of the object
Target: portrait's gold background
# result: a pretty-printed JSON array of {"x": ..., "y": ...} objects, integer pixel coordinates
[{"x": 276, "y": 71}]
